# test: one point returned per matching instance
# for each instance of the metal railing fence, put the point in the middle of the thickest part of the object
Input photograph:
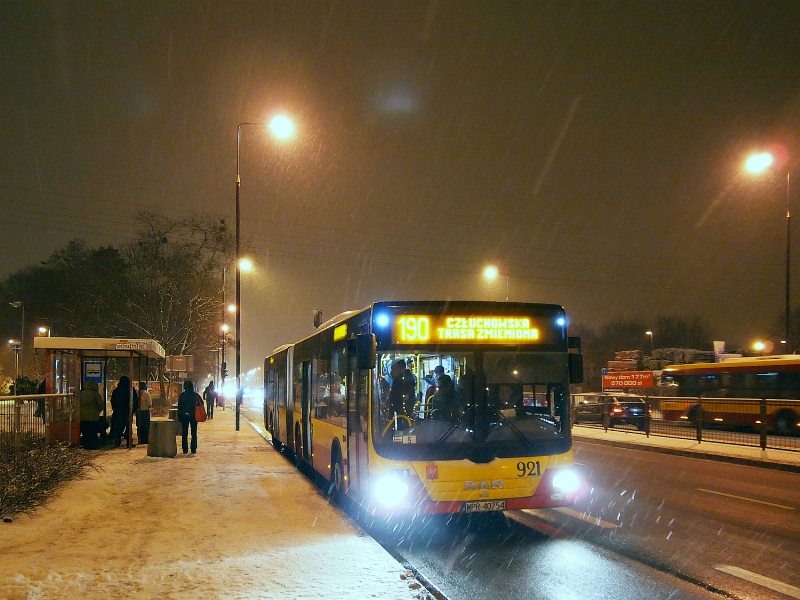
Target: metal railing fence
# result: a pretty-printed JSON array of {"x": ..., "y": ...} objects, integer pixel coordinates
[
  {"x": 26, "y": 421},
  {"x": 763, "y": 422}
]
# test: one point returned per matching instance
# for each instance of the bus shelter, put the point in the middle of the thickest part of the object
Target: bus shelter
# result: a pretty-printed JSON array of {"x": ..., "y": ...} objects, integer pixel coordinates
[{"x": 71, "y": 361}]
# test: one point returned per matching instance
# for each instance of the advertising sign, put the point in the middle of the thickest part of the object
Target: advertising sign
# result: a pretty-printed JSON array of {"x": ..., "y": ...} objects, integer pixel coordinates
[{"x": 627, "y": 379}]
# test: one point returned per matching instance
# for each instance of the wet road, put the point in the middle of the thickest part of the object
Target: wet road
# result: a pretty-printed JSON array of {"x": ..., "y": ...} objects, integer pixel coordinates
[{"x": 654, "y": 526}]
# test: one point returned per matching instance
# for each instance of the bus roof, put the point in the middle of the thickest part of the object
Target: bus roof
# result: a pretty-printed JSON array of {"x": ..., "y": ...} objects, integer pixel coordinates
[{"x": 736, "y": 364}]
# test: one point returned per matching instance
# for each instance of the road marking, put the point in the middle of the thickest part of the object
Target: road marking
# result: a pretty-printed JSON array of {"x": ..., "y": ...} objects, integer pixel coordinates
[
  {"x": 586, "y": 517},
  {"x": 747, "y": 499},
  {"x": 772, "y": 584}
]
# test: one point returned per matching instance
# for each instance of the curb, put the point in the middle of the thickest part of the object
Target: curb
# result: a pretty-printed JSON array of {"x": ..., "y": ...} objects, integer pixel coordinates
[{"x": 750, "y": 462}]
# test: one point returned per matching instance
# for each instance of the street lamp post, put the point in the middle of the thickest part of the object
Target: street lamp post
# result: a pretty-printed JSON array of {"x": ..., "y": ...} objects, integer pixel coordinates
[
  {"x": 758, "y": 163},
  {"x": 650, "y": 333},
  {"x": 19, "y": 304},
  {"x": 223, "y": 328},
  {"x": 16, "y": 347},
  {"x": 282, "y": 127}
]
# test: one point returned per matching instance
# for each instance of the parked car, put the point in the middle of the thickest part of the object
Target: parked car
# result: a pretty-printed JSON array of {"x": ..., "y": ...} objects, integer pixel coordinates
[{"x": 622, "y": 410}]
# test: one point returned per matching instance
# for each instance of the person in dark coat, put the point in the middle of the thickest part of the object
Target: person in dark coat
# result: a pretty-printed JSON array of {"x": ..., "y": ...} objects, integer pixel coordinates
[
  {"x": 402, "y": 396},
  {"x": 92, "y": 404},
  {"x": 210, "y": 395},
  {"x": 187, "y": 402},
  {"x": 120, "y": 398},
  {"x": 444, "y": 403}
]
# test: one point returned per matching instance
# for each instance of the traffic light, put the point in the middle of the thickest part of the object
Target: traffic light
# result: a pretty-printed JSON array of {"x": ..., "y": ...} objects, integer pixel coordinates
[{"x": 224, "y": 370}]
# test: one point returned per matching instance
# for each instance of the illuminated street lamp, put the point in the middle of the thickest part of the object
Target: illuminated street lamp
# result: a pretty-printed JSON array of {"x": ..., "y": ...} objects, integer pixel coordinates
[
  {"x": 245, "y": 264},
  {"x": 491, "y": 273},
  {"x": 44, "y": 331},
  {"x": 759, "y": 163},
  {"x": 762, "y": 347},
  {"x": 650, "y": 333},
  {"x": 282, "y": 128}
]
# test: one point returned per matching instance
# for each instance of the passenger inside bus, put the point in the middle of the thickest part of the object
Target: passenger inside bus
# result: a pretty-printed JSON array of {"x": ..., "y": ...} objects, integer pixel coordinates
[
  {"x": 402, "y": 395},
  {"x": 445, "y": 404}
]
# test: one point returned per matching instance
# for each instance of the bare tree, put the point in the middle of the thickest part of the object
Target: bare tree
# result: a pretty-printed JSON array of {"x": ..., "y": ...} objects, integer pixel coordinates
[{"x": 175, "y": 276}]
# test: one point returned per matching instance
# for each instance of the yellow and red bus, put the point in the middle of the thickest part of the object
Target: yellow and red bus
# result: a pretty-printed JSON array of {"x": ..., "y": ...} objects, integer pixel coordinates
[
  {"x": 731, "y": 392},
  {"x": 432, "y": 407}
]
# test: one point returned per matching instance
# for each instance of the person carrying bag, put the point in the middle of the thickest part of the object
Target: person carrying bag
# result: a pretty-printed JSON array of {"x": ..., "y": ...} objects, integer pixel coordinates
[{"x": 188, "y": 404}]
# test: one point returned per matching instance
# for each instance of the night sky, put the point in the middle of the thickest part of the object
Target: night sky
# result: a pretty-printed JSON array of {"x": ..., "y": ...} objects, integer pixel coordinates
[{"x": 592, "y": 150}]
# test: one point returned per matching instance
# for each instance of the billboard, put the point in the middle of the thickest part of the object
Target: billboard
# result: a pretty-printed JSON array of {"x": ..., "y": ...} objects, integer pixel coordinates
[{"x": 627, "y": 379}]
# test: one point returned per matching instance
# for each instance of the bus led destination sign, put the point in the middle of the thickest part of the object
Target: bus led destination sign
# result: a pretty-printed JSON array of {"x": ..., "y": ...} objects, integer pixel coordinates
[{"x": 433, "y": 329}]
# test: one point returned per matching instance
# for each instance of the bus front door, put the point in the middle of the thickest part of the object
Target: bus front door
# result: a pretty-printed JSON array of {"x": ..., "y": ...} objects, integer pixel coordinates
[{"x": 357, "y": 431}]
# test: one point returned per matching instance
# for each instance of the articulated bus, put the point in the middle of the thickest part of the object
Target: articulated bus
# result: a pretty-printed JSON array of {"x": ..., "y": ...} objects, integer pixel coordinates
[
  {"x": 725, "y": 386},
  {"x": 432, "y": 407}
]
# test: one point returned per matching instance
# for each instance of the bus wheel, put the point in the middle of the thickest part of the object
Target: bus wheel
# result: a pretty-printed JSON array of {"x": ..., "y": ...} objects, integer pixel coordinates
[
  {"x": 785, "y": 422},
  {"x": 276, "y": 443},
  {"x": 336, "y": 487}
]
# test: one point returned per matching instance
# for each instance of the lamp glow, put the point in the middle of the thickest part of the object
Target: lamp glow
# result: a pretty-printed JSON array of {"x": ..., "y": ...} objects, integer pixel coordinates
[
  {"x": 281, "y": 126},
  {"x": 759, "y": 162}
]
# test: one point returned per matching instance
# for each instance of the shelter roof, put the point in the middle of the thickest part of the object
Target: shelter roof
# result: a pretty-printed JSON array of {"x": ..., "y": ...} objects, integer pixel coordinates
[{"x": 102, "y": 347}]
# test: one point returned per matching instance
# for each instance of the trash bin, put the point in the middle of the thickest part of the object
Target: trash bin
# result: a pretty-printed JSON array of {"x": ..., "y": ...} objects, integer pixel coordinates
[{"x": 162, "y": 441}]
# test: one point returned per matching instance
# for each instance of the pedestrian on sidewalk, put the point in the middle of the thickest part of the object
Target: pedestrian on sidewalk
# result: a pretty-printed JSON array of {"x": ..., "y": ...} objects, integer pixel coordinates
[
  {"x": 120, "y": 404},
  {"x": 187, "y": 402},
  {"x": 92, "y": 404},
  {"x": 143, "y": 418},
  {"x": 210, "y": 396}
]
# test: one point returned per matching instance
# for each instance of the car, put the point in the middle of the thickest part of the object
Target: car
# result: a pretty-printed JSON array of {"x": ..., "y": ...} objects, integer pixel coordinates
[{"x": 622, "y": 410}]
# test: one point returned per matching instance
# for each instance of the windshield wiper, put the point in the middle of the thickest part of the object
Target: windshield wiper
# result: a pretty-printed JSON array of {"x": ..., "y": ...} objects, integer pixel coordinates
[
  {"x": 448, "y": 432},
  {"x": 515, "y": 429}
]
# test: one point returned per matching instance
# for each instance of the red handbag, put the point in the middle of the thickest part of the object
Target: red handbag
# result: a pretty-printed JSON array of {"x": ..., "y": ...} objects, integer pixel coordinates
[{"x": 199, "y": 411}]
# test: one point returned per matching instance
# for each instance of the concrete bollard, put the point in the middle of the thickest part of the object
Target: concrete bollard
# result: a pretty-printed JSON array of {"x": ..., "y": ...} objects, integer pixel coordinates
[{"x": 162, "y": 439}]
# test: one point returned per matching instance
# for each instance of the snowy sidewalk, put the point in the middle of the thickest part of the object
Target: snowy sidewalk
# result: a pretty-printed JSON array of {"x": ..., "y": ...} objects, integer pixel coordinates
[{"x": 236, "y": 520}]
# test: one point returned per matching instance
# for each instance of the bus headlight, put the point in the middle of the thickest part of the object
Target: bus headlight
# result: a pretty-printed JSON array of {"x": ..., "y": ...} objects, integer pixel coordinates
[
  {"x": 566, "y": 481},
  {"x": 390, "y": 491}
]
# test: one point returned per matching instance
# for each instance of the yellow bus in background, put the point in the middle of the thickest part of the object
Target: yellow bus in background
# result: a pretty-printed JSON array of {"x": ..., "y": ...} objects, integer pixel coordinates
[{"x": 725, "y": 386}]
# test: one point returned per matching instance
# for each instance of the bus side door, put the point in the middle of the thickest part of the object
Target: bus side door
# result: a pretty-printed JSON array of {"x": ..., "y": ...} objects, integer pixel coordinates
[{"x": 306, "y": 432}]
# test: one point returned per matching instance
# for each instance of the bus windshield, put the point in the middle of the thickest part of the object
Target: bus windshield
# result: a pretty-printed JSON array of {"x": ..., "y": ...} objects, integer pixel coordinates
[{"x": 479, "y": 405}]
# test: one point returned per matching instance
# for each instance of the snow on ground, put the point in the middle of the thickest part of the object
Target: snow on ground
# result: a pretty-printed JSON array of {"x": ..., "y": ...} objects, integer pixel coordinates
[{"x": 236, "y": 520}]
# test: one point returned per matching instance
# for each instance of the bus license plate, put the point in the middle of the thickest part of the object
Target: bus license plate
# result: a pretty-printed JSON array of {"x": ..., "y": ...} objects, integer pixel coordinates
[{"x": 486, "y": 506}]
